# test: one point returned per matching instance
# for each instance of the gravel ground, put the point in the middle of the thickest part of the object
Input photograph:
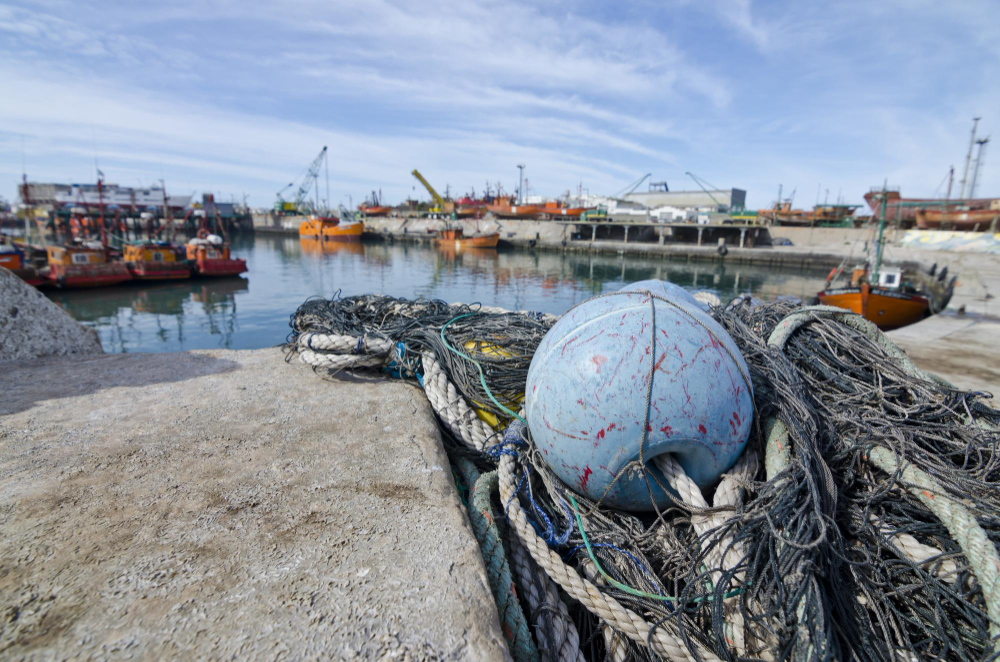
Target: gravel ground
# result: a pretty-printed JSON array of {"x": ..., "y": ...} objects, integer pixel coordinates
[{"x": 227, "y": 505}]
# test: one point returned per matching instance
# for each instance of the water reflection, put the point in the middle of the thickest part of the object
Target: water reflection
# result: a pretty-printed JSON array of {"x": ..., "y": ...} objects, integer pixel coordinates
[
  {"x": 163, "y": 317},
  {"x": 253, "y": 311}
]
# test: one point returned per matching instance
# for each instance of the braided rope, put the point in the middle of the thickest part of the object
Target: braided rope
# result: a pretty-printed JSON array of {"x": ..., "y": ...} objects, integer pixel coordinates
[
  {"x": 590, "y": 596},
  {"x": 555, "y": 631},
  {"x": 451, "y": 408}
]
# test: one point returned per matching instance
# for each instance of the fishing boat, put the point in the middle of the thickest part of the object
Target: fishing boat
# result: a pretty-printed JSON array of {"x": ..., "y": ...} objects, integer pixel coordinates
[
  {"x": 156, "y": 260},
  {"x": 455, "y": 237},
  {"x": 507, "y": 210},
  {"x": 890, "y": 297},
  {"x": 209, "y": 256},
  {"x": 331, "y": 228},
  {"x": 83, "y": 264},
  {"x": 555, "y": 209},
  {"x": 12, "y": 258},
  {"x": 373, "y": 206},
  {"x": 972, "y": 220}
]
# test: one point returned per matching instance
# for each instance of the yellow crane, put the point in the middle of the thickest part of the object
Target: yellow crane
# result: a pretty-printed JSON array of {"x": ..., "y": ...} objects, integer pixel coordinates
[{"x": 442, "y": 205}]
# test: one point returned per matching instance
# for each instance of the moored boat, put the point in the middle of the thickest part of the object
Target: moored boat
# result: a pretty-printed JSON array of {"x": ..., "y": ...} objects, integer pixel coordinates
[
  {"x": 156, "y": 260},
  {"x": 890, "y": 297},
  {"x": 972, "y": 220},
  {"x": 331, "y": 228},
  {"x": 12, "y": 258},
  {"x": 209, "y": 256},
  {"x": 457, "y": 238},
  {"x": 560, "y": 210},
  {"x": 505, "y": 210},
  {"x": 374, "y": 210},
  {"x": 84, "y": 264}
]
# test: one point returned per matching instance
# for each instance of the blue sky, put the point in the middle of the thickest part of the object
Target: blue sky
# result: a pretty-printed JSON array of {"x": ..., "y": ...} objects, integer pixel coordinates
[{"x": 238, "y": 96}]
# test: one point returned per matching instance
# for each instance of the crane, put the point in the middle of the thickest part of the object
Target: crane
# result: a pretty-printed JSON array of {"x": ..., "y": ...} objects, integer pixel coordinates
[
  {"x": 629, "y": 189},
  {"x": 309, "y": 180},
  {"x": 442, "y": 204},
  {"x": 701, "y": 183}
]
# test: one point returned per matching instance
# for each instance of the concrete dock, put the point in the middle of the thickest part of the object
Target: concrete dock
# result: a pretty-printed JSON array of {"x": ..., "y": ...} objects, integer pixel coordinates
[{"x": 219, "y": 504}]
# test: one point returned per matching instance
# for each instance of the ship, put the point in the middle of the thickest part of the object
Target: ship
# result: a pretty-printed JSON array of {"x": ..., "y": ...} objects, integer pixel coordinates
[
  {"x": 972, "y": 220},
  {"x": 331, "y": 228}
]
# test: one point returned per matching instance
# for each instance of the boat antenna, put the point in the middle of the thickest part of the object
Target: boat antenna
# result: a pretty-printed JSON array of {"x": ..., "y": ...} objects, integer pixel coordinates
[
  {"x": 326, "y": 166},
  {"x": 881, "y": 230},
  {"x": 520, "y": 188},
  {"x": 968, "y": 156}
]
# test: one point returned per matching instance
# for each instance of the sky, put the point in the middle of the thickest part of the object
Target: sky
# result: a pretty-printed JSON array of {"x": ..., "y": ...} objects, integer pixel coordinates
[{"x": 237, "y": 97}]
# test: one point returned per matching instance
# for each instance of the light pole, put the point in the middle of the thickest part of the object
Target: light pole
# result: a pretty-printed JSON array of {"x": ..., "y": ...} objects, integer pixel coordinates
[{"x": 520, "y": 186}]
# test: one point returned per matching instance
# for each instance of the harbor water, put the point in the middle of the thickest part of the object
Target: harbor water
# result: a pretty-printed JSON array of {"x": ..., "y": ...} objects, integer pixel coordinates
[{"x": 252, "y": 311}]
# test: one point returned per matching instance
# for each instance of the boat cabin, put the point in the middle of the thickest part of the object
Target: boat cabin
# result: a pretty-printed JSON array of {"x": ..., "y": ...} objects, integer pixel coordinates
[{"x": 150, "y": 252}]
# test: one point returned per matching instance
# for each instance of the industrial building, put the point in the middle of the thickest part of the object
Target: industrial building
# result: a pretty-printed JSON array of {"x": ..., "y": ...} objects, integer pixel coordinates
[{"x": 728, "y": 198}]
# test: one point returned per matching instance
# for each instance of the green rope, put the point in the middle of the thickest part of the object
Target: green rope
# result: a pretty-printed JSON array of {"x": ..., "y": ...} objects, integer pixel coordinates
[
  {"x": 481, "y": 515},
  {"x": 482, "y": 375},
  {"x": 625, "y": 587}
]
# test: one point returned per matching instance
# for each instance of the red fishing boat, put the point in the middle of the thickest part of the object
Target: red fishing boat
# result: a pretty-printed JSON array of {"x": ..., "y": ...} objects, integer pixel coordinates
[
  {"x": 12, "y": 258},
  {"x": 209, "y": 256},
  {"x": 84, "y": 264},
  {"x": 156, "y": 260}
]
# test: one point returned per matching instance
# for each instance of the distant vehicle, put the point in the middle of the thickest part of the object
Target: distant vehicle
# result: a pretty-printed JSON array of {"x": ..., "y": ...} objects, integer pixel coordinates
[{"x": 781, "y": 241}]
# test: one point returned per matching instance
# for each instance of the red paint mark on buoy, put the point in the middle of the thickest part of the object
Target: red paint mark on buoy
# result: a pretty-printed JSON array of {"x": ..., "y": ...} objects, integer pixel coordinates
[
  {"x": 667, "y": 430},
  {"x": 581, "y": 402},
  {"x": 585, "y": 477},
  {"x": 701, "y": 428},
  {"x": 600, "y": 435},
  {"x": 679, "y": 352},
  {"x": 736, "y": 416},
  {"x": 612, "y": 426},
  {"x": 649, "y": 428},
  {"x": 662, "y": 356},
  {"x": 598, "y": 360}
]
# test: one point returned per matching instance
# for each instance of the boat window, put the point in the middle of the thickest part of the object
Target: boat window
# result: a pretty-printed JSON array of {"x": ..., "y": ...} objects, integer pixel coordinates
[
  {"x": 157, "y": 256},
  {"x": 80, "y": 258}
]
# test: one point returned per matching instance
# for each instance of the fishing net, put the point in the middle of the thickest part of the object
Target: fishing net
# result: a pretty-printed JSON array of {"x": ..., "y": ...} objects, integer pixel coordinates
[{"x": 860, "y": 523}]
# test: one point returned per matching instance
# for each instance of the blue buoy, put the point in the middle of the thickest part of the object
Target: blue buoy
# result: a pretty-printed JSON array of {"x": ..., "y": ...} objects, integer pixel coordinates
[{"x": 589, "y": 380}]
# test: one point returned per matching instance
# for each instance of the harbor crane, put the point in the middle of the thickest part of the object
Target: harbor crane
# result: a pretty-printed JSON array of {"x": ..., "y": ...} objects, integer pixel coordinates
[
  {"x": 310, "y": 180},
  {"x": 442, "y": 205},
  {"x": 632, "y": 187},
  {"x": 702, "y": 184}
]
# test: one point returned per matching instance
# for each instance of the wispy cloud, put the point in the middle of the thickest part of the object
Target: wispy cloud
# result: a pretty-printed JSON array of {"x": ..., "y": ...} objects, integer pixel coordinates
[{"x": 240, "y": 95}]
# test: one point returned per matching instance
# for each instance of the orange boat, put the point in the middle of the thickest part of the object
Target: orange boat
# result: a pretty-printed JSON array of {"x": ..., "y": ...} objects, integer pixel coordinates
[
  {"x": 84, "y": 264},
  {"x": 374, "y": 210},
  {"x": 889, "y": 305},
  {"x": 209, "y": 256},
  {"x": 456, "y": 237},
  {"x": 554, "y": 209},
  {"x": 156, "y": 260},
  {"x": 969, "y": 220},
  {"x": 329, "y": 228},
  {"x": 514, "y": 211},
  {"x": 12, "y": 259},
  {"x": 885, "y": 295}
]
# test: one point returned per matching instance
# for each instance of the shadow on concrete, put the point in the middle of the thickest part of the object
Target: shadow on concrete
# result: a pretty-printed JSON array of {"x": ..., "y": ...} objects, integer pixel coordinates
[{"x": 26, "y": 383}]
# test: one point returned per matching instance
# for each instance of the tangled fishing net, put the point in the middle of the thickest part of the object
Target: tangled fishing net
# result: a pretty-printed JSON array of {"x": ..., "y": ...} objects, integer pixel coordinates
[{"x": 861, "y": 522}]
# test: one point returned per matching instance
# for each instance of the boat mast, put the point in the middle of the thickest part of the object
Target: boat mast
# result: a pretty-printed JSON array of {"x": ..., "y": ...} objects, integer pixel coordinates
[
  {"x": 981, "y": 143},
  {"x": 881, "y": 229},
  {"x": 968, "y": 157},
  {"x": 100, "y": 206},
  {"x": 27, "y": 208},
  {"x": 168, "y": 221}
]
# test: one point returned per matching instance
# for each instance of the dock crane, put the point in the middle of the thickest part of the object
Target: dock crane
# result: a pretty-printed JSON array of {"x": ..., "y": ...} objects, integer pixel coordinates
[
  {"x": 442, "y": 205},
  {"x": 632, "y": 187},
  {"x": 701, "y": 183},
  {"x": 310, "y": 180}
]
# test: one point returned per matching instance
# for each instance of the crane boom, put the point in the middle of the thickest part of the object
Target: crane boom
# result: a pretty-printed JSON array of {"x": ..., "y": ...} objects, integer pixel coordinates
[
  {"x": 430, "y": 189},
  {"x": 311, "y": 176},
  {"x": 699, "y": 182},
  {"x": 632, "y": 187}
]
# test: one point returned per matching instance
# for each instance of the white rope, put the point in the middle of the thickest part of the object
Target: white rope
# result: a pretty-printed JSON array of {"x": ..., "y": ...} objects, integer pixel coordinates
[
  {"x": 460, "y": 419},
  {"x": 632, "y": 625}
]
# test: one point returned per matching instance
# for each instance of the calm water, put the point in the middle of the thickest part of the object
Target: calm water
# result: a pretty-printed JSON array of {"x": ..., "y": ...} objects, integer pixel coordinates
[{"x": 253, "y": 311}]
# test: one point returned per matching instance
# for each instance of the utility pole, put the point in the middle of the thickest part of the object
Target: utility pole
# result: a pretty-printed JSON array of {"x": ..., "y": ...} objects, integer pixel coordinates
[
  {"x": 951, "y": 179},
  {"x": 979, "y": 161},
  {"x": 520, "y": 187},
  {"x": 968, "y": 157}
]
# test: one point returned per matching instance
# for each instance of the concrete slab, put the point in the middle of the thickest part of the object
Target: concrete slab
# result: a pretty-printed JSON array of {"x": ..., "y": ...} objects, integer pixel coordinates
[
  {"x": 961, "y": 349},
  {"x": 211, "y": 505}
]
